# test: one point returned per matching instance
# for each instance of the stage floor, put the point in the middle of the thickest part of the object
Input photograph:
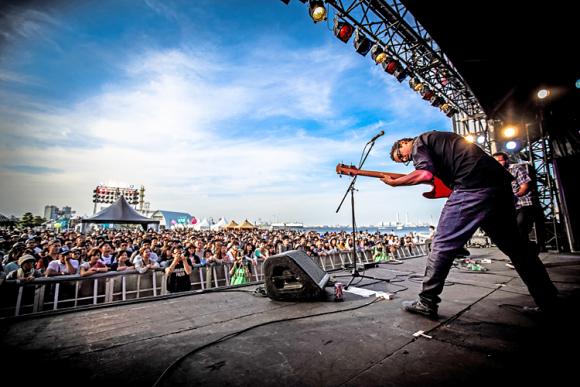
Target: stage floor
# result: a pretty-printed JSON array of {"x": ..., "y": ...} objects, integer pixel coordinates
[{"x": 232, "y": 337}]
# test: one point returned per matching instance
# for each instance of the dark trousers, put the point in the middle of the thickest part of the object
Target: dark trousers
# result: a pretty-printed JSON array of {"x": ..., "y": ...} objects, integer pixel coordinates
[
  {"x": 493, "y": 210},
  {"x": 525, "y": 217}
]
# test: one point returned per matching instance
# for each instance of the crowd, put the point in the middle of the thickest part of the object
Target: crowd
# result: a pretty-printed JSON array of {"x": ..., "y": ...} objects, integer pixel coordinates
[{"x": 29, "y": 254}]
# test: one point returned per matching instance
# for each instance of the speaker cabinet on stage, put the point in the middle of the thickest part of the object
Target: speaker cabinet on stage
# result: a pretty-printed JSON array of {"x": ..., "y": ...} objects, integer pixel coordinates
[{"x": 293, "y": 275}]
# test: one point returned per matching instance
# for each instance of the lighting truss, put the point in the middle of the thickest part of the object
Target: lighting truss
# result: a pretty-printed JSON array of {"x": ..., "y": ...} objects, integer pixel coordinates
[
  {"x": 109, "y": 195},
  {"x": 476, "y": 126},
  {"x": 392, "y": 26},
  {"x": 540, "y": 155}
]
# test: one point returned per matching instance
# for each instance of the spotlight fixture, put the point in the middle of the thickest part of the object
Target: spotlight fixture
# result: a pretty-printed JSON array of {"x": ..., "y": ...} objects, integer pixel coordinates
[
  {"x": 401, "y": 73},
  {"x": 426, "y": 93},
  {"x": 448, "y": 109},
  {"x": 436, "y": 101},
  {"x": 415, "y": 84},
  {"x": 378, "y": 54},
  {"x": 317, "y": 10},
  {"x": 543, "y": 93},
  {"x": 481, "y": 139},
  {"x": 511, "y": 145},
  {"x": 509, "y": 132},
  {"x": 470, "y": 138},
  {"x": 452, "y": 112},
  {"x": 391, "y": 66},
  {"x": 362, "y": 44},
  {"x": 342, "y": 30}
]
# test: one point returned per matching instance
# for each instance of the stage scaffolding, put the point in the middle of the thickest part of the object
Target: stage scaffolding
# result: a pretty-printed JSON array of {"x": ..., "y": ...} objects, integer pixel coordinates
[{"x": 390, "y": 24}]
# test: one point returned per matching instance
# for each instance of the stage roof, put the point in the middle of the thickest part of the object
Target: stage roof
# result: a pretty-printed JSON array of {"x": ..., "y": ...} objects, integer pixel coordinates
[
  {"x": 119, "y": 212},
  {"x": 506, "y": 51}
]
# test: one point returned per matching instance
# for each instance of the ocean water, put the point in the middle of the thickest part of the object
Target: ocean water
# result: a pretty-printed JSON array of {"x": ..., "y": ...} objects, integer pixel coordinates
[{"x": 372, "y": 230}]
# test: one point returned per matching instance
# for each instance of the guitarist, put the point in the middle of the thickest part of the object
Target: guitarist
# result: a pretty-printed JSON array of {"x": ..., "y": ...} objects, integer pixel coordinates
[{"x": 481, "y": 197}]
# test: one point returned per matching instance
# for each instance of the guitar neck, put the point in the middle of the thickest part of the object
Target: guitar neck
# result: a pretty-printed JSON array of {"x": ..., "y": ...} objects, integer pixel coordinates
[
  {"x": 378, "y": 174},
  {"x": 440, "y": 190}
]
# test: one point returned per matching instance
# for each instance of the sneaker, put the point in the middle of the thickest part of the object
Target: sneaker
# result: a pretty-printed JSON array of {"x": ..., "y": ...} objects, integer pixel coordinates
[
  {"x": 510, "y": 266},
  {"x": 419, "y": 307},
  {"x": 462, "y": 252}
]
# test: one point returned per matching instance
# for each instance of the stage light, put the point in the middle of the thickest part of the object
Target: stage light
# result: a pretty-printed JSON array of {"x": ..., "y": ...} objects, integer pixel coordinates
[
  {"x": 317, "y": 11},
  {"x": 451, "y": 112},
  {"x": 509, "y": 132},
  {"x": 543, "y": 93},
  {"x": 378, "y": 54},
  {"x": 362, "y": 44},
  {"x": 342, "y": 30},
  {"x": 470, "y": 138},
  {"x": 578, "y": 83},
  {"x": 391, "y": 66},
  {"x": 448, "y": 109},
  {"x": 415, "y": 84},
  {"x": 436, "y": 101},
  {"x": 481, "y": 139},
  {"x": 511, "y": 145},
  {"x": 426, "y": 93},
  {"x": 401, "y": 73}
]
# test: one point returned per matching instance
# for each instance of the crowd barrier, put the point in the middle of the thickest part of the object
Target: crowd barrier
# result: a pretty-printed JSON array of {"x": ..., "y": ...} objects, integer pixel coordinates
[{"x": 66, "y": 292}]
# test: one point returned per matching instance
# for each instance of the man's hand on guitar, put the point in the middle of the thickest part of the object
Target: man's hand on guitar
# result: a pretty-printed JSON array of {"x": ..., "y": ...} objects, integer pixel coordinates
[
  {"x": 440, "y": 190},
  {"x": 389, "y": 180}
]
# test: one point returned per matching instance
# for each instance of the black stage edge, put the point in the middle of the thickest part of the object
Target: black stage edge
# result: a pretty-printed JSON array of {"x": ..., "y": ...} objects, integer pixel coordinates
[{"x": 483, "y": 337}]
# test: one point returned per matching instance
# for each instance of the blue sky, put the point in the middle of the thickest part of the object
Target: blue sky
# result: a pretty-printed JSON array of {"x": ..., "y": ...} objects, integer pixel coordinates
[{"x": 236, "y": 109}]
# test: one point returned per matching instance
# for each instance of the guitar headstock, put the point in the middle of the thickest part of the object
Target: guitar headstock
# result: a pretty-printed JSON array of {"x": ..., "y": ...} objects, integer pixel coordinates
[{"x": 349, "y": 170}]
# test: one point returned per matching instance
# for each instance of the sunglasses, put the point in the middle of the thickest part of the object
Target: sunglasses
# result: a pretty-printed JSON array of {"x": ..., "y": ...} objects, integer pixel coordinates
[{"x": 400, "y": 155}]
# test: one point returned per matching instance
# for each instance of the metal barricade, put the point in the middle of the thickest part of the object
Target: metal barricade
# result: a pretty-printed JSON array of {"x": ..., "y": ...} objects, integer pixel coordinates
[{"x": 65, "y": 292}]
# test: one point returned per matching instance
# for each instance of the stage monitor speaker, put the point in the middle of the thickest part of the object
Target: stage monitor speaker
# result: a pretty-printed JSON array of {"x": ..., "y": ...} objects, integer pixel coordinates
[{"x": 293, "y": 275}]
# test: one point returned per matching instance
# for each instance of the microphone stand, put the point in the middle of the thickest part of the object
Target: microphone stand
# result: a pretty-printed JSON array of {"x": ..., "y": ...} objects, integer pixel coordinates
[{"x": 351, "y": 188}]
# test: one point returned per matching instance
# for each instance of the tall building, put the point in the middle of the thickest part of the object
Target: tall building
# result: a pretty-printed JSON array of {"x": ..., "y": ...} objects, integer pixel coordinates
[
  {"x": 66, "y": 212},
  {"x": 50, "y": 212}
]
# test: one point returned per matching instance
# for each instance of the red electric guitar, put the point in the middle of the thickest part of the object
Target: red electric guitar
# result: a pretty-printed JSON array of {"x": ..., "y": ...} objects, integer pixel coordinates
[{"x": 440, "y": 190}]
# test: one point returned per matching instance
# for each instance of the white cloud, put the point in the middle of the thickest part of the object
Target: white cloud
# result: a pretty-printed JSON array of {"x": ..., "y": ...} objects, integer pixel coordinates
[
  {"x": 166, "y": 124},
  {"x": 28, "y": 24}
]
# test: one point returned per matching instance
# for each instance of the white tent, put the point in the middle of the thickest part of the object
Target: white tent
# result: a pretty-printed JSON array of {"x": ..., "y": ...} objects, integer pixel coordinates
[
  {"x": 220, "y": 224},
  {"x": 203, "y": 225}
]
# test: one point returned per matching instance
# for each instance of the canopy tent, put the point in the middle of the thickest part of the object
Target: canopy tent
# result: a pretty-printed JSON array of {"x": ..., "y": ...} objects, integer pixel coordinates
[
  {"x": 219, "y": 225},
  {"x": 203, "y": 225},
  {"x": 120, "y": 212},
  {"x": 245, "y": 225},
  {"x": 231, "y": 225}
]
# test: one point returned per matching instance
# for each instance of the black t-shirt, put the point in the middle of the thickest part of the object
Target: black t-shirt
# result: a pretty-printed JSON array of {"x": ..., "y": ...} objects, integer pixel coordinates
[
  {"x": 457, "y": 162},
  {"x": 179, "y": 280}
]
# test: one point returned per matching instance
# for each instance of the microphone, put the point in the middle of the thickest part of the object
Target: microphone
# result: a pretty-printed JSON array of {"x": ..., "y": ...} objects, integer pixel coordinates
[{"x": 382, "y": 132}]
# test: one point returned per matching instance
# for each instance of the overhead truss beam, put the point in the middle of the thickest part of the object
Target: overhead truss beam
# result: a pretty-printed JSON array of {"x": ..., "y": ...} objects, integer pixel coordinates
[{"x": 391, "y": 25}]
